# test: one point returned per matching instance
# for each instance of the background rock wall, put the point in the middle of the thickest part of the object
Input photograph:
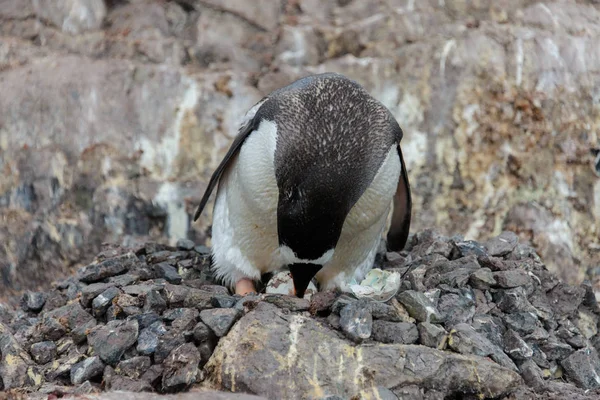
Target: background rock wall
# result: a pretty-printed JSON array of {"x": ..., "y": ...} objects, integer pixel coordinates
[{"x": 114, "y": 113}]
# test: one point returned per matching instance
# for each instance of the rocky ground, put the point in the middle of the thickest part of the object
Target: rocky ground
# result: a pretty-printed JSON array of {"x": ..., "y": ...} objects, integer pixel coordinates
[
  {"x": 470, "y": 320},
  {"x": 114, "y": 113}
]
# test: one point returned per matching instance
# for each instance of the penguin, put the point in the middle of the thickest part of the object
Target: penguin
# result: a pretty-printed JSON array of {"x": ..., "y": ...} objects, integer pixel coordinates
[{"x": 312, "y": 180}]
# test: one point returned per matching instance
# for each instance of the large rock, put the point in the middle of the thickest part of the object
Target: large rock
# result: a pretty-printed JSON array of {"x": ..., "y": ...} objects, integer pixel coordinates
[{"x": 298, "y": 357}]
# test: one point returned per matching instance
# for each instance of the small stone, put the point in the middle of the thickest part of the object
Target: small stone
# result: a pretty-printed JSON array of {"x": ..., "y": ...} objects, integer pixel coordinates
[
  {"x": 491, "y": 327},
  {"x": 43, "y": 352},
  {"x": 166, "y": 344},
  {"x": 457, "y": 308},
  {"x": 124, "y": 300},
  {"x": 146, "y": 319},
  {"x": 185, "y": 244},
  {"x": 203, "y": 333},
  {"x": 341, "y": 302},
  {"x": 154, "y": 302},
  {"x": 220, "y": 320},
  {"x": 555, "y": 350},
  {"x": 186, "y": 320},
  {"x": 583, "y": 368},
  {"x": 385, "y": 312},
  {"x": 565, "y": 299},
  {"x": 203, "y": 250},
  {"x": 140, "y": 289},
  {"x": 120, "y": 383},
  {"x": 54, "y": 300},
  {"x": 522, "y": 322},
  {"x": 80, "y": 333},
  {"x": 134, "y": 367},
  {"x": 101, "y": 303},
  {"x": 63, "y": 366},
  {"x": 33, "y": 301},
  {"x": 482, "y": 279},
  {"x": 512, "y": 278},
  {"x": 431, "y": 335},
  {"x": 321, "y": 302},
  {"x": 513, "y": 300},
  {"x": 419, "y": 306},
  {"x": 395, "y": 332},
  {"x": 469, "y": 247},
  {"x": 124, "y": 280},
  {"x": 153, "y": 374},
  {"x": 168, "y": 272},
  {"x": 149, "y": 338},
  {"x": 286, "y": 302},
  {"x": 72, "y": 315},
  {"x": 92, "y": 290},
  {"x": 198, "y": 298},
  {"x": 502, "y": 244},
  {"x": 51, "y": 329},
  {"x": 223, "y": 301},
  {"x": 114, "y": 266},
  {"x": 109, "y": 342},
  {"x": 86, "y": 369},
  {"x": 181, "y": 368},
  {"x": 516, "y": 347},
  {"x": 158, "y": 257},
  {"x": 356, "y": 321}
]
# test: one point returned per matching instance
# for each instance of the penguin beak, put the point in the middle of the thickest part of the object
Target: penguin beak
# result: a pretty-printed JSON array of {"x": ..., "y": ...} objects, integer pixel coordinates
[{"x": 302, "y": 274}]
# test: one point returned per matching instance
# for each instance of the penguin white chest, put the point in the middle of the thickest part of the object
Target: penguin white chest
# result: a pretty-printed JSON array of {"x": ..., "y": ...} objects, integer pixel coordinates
[{"x": 245, "y": 215}]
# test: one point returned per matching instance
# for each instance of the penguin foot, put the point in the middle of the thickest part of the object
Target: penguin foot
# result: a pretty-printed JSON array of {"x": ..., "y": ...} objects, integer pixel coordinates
[{"x": 245, "y": 286}]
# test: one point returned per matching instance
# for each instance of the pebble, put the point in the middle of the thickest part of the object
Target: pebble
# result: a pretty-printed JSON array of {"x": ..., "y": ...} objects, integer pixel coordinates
[
  {"x": 583, "y": 368},
  {"x": 516, "y": 347},
  {"x": 101, "y": 303},
  {"x": 502, "y": 244},
  {"x": 419, "y": 306},
  {"x": 220, "y": 320},
  {"x": 168, "y": 272},
  {"x": 395, "y": 332},
  {"x": 33, "y": 301},
  {"x": 134, "y": 367},
  {"x": 432, "y": 335},
  {"x": 86, "y": 369},
  {"x": 356, "y": 321},
  {"x": 148, "y": 338},
  {"x": 482, "y": 279},
  {"x": 181, "y": 368},
  {"x": 89, "y": 292},
  {"x": 223, "y": 301},
  {"x": 110, "y": 341},
  {"x": 43, "y": 352},
  {"x": 512, "y": 278},
  {"x": 185, "y": 244},
  {"x": 167, "y": 343},
  {"x": 291, "y": 303},
  {"x": 154, "y": 302},
  {"x": 114, "y": 266}
]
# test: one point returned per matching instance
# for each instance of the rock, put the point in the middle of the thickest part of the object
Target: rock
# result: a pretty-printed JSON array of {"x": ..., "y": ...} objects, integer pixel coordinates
[
  {"x": 516, "y": 347},
  {"x": 166, "y": 344},
  {"x": 565, "y": 299},
  {"x": 431, "y": 335},
  {"x": 502, "y": 244},
  {"x": 101, "y": 303},
  {"x": 456, "y": 308},
  {"x": 513, "y": 301},
  {"x": 555, "y": 350},
  {"x": 220, "y": 320},
  {"x": 185, "y": 244},
  {"x": 107, "y": 268},
  {"x": 322, "y": 301},
  {"x": 356, "y": 321},
  {"x": 154, "y": 302},
  {"x": 110, "y": 341},
  {"x": 52, "y": 329},
  {"x": 202, "y": 332},
  {"x": 86, "y": 369},
  {"x": 192, "y": 395},
  {"x": 469, "y": 247},
  {"x": 15, "y": 371},
  {"x": 79, "y": 334},
  {"x": 146, "y": 319},
  {"x": 223, "y": 301},
  {"x": 148, "y": 339},
  {"x": 124, "y": 280},
  {"x": 583, "y": 368},
  {"x": 388, "y": 312},
  {"x": 168, "y": 272},
  {"x": 419, "y": 306},
  {"x": 61, "y": 368},
  {"x": 523, "y": 322},
  {"x": 482, "y": 279},
  {"x": 181, "y": 368},
  {"x": 200, "y": 299},
  {"x": 33, "y": 301},
  {"x": 153, "y": 374},
  {"x": 72, "y": 316},
  {"x": 395, "y": 332},
  {"x": 134, "y": 367},
  {"x": 465, "y": 340},
  {"x": 291, "y": 303},
  {"x": 43, "y": 352},
  {"x": 185, "y": 320},
  {"x": 73, "y": 16},
  {"x": 429, "y": 368},
  {"x": 89, "y": 292},
  {"x": 512, "y": 278}
]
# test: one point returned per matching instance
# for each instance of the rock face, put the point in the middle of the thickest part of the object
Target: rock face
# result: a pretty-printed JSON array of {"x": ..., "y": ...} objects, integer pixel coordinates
[{"x": 114, "y": 114}]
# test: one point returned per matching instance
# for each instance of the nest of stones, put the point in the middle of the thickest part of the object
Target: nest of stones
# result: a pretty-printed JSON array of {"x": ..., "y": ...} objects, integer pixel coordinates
[{"x": 148, "y": 319}]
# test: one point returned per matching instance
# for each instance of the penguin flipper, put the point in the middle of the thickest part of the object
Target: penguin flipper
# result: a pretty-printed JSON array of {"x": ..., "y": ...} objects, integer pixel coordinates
[
  {"x": 243, "y": 134},
  {"x": 401, "y": 216}
]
